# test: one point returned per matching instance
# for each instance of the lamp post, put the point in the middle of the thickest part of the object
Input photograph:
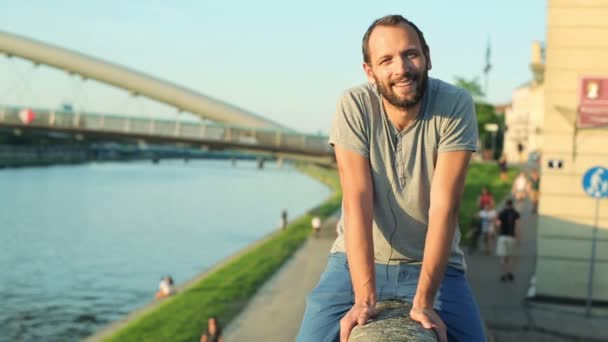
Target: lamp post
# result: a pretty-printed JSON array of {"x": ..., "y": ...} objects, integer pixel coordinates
[{"x": 492, "y": 128}]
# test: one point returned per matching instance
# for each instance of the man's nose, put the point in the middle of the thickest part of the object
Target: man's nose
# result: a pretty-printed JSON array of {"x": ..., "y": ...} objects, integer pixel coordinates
[{"x": 403, "y": 66}]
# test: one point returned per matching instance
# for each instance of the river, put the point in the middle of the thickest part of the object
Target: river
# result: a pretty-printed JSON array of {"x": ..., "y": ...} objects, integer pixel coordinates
[{"x": 81, "y": 246}]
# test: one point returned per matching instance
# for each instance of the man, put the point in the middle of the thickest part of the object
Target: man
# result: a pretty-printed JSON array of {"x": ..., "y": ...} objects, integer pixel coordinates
[
  {"x": 316, "y": 225},
  {"x": 403, "y": 144},
  {"x": 508, "y": 222},
  {"x": 534, "y": 185},
  {"x": 520, "y": 187}
]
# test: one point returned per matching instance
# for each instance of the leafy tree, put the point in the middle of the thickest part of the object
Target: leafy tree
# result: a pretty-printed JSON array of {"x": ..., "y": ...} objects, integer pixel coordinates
[
  {"x": 472, "y": 86},
  {"x": 485, "y": 114}
]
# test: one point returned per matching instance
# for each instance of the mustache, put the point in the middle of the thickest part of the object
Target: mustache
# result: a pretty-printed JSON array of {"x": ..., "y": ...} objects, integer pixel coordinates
[{"x": 408, "y": 76}]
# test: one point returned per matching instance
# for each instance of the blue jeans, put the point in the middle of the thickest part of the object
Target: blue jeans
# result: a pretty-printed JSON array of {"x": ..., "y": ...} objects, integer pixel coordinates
[{"x": 334, "y": 296}]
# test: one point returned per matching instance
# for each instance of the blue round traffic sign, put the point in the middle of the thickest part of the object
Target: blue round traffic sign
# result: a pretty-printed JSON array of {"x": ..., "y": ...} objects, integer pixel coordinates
[{"x": 595, "y": 182}]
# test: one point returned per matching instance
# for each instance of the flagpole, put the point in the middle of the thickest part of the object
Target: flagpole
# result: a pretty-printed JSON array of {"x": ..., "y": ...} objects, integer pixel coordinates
[{"x": 487, "y": 68}]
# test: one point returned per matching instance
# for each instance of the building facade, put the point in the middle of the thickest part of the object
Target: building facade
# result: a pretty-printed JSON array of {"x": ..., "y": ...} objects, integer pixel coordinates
[
  {"x": 524, "y": 118},
  {"x": 576, "y": 48}
]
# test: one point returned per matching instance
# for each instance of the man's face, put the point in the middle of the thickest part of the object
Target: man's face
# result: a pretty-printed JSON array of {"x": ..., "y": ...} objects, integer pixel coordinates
[{"x": 397, "y": 65}]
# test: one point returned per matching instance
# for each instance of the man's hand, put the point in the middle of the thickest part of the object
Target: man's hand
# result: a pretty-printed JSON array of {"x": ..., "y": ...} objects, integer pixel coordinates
[
  {"x": 430, "y": 320},
  {"x": 359, "y": 314}
]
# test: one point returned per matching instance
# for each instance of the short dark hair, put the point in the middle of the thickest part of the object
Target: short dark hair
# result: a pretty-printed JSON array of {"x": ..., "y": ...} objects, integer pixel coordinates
[
  {"x": 509, "y": 202},
  {"x": 392, "y": 20},
  {"x": 218, "y": 327}
]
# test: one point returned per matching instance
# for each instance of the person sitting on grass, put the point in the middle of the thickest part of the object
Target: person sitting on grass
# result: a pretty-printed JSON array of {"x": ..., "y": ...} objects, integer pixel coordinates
[{"x": 165, "y": 288}]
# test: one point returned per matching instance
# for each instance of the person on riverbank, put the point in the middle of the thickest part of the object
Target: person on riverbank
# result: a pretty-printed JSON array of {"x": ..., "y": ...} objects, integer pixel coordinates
[
  {"x": 213, "y": 333},
  {"x": 485, "y": 198},
  {"x": 520, "y": 187},
  {"x": 283, "y": 219},
  {"x": 534, "y": 188},
  {"x": 166, "y": 288},
  {"x": 402, "y": 144},
  {"x": 487, "y": 217},
  {"x": 508, "y": 228},
  {"x": 503, "y": 168},
  {"x": 316, "y": 225}
]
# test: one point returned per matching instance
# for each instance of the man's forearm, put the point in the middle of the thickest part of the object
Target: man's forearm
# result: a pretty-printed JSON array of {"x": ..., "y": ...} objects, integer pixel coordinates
[
  {"x": 438, "y": 246},
  {"x": 360, "y": 250}
]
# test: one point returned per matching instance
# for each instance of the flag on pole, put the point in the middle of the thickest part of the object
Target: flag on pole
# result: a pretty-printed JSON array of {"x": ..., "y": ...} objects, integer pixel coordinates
[{"x": 488, "y": 66}]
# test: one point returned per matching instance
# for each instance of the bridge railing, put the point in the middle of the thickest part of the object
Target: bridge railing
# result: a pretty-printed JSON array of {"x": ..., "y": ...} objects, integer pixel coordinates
[{"x": 242, "y": 136}]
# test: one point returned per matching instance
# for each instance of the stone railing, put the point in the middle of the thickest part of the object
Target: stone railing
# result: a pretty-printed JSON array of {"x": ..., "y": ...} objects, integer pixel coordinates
[{"x": 393, "y": 324}]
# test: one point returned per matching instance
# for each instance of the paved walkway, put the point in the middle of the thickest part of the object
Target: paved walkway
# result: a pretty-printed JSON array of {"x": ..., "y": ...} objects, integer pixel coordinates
[
  {"x": 505, "y": 308},
  {"x": 276, "y": 311}
]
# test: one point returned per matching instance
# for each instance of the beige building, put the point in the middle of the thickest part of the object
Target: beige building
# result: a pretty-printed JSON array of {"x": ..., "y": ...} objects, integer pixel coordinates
[
  {"x": 576, "y": 48},
  {"x": 524, "y": 118}
]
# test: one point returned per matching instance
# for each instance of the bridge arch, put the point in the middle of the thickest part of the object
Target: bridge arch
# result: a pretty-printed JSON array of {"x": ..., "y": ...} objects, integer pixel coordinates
[{"x": 134, "y": 81}]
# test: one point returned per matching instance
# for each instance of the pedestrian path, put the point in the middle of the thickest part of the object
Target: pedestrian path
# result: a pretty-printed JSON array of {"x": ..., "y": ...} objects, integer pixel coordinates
[
  {"x": 506, "y": 309},
  {"x": 275, "y": 313}
]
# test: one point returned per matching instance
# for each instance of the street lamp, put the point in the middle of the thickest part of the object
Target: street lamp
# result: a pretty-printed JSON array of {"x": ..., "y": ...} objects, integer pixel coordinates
[{"x": 492, "y": 128}]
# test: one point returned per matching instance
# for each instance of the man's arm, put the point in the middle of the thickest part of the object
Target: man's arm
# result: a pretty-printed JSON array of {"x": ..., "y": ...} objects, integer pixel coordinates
[
  {"x": 355, "y": 178},
  {"x": 446, "y": 192},
  {"x": 357, "y": 190}
]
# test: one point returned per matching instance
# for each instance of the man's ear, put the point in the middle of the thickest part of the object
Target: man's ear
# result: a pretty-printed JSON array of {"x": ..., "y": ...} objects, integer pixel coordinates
[
  {"x": 369, "y": 73},
  {"x": 429, "y": 65}
]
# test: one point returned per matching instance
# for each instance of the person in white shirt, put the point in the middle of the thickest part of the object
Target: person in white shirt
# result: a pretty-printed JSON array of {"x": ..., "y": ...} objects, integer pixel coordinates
[
  {"x": 316, "y": 225},
  {"x": 487, "y": 215},
  {"x": 166, "y": 288},
  {"x": 520, "y": 187}
]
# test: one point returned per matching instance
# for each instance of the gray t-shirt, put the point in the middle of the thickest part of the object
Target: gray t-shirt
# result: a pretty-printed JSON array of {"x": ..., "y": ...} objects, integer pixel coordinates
[{"x": 402, "y": 163}]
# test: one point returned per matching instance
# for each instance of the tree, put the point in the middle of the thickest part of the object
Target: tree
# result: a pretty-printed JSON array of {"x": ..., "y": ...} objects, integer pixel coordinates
[
  {"x": 485, "y": 114},
  {"x": 472, "y": 86}
]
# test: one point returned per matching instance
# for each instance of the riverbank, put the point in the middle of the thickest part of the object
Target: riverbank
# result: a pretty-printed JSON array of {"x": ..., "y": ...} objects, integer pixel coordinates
[
  {"x": 276, "y": 311},
  {"x": 40, "y": 155},
  {"x": 29, "y": 156},
  {"x": 225, "y": 289}
]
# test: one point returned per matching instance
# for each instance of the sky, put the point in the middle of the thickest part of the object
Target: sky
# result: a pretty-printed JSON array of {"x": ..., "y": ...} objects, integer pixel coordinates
[{"x": 288, "y": 61}]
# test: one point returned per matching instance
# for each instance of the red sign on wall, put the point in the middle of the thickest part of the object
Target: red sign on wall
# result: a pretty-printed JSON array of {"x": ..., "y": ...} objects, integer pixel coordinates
[{"x": 593, "y": 103}]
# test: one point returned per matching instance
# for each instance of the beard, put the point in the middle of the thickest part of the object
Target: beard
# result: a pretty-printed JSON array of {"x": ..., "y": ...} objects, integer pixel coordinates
[{"x": 410, "y": 100}]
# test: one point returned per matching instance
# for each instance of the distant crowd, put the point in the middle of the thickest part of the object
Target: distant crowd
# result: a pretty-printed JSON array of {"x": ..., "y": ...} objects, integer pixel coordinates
[{"x": 500, "y": 231}]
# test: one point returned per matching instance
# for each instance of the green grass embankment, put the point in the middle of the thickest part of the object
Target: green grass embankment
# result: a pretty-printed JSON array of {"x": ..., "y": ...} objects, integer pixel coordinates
[{"x": 225, "y": 291}]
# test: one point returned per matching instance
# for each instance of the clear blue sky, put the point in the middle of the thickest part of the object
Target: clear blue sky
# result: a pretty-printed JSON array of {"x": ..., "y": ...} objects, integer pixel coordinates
[{"x": 285, "y": 60}]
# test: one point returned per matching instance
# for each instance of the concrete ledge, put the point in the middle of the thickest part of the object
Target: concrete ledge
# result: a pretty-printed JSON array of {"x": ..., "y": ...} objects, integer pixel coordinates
[{"x": 393, "y": 324}]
